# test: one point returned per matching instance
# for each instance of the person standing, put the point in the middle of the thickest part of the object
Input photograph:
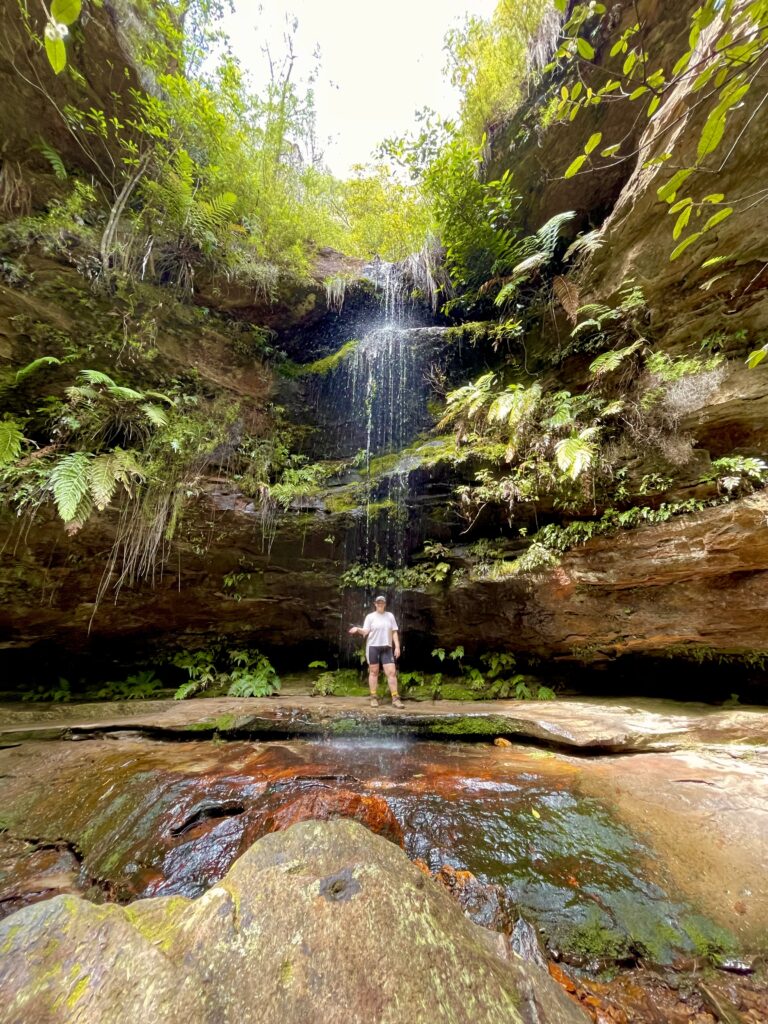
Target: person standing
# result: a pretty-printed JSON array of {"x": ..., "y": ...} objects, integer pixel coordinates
[{"x": 382, "y": 649}]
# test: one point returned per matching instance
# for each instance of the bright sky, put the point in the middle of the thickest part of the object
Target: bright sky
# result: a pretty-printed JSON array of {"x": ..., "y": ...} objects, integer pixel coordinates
[{"x": 380, "y": 61}]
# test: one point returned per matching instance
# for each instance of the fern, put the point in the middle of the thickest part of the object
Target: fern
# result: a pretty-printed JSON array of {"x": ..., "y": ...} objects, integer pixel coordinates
[
  {"x": 97, "y": 377},
  {"x": 11, "y": 438},
  {"x": 156, "y": 415},
  {"x": 125, "y": 394},
  {"x": 216, "y": 213},
  {"x": 107, "y": 471},
  {"x": 69, "y": 481},
  {"x": 35, "y": 365},
  {"x": 514, "y": 405},
  {"x": 610, "y": 361},
  {"x": 54, "y": 159},
  {"x": 103, "y": 479},
  {"x": 549, "y": 233},
  {"x": 576, "y": 453},
  {"x": 584, "y": 244}
]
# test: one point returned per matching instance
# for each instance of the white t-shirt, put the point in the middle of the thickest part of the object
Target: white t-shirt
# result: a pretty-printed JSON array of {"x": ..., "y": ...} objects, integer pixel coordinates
[{"x": 381, "y": 625}]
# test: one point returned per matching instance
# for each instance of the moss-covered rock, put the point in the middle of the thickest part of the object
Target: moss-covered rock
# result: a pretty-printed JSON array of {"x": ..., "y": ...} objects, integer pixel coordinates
[{"x": 293, "y": 932}]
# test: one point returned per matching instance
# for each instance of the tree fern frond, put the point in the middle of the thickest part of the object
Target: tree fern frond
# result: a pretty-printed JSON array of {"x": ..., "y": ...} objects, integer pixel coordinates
[
  {"x": 216, "y": 213},
  {"x": 97, "y": 377},
  {"x": 595, "y": 309},
  {"x": 156, "y": 415},
  {"x": 568, "y": 295},
  {"x": 576, "y": 453},
  {"x": 35, "y": 365},
  {"x": 549, "y": 233},
  {"x": 160, "y": 397},
  {"x": 610, "y": 361},
  {"x": 11, "y": 438},
  {"x": 102, "y": 480},
  {"x": 125, "y": 394},
  {"x": 80, "y": 517},
  {"x": 587, "y": 243},
  {"x": 54, "y": 159},
  {"x": 76, "y": 393},
  {"x": 69, "y": 481}
]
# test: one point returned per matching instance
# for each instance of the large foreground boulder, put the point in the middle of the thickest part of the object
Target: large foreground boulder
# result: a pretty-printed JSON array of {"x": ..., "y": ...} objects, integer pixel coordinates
[{"x": 321, "y": 923}]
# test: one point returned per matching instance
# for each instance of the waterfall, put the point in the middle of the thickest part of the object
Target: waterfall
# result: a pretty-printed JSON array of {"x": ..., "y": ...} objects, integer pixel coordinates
[{"x": 371, "y": 405}]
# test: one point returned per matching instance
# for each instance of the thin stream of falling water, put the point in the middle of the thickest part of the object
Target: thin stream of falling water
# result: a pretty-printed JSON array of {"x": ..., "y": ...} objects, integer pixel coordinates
[{"x": 374, "y": 404}]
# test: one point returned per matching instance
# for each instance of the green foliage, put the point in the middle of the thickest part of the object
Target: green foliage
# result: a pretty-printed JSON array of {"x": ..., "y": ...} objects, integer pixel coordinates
[
  {"x": 243, "y": 672},
  {"x": 412, "y": 577},
  {"x": 387, "y": 217},
  {"x": 142, "y": 685},
  {"x": 739, "y": 474},
  {"x": 36, "y": 365},
  {"x": 344, "y": 682},
  {"x": 475, "y": 219},
  {"x": 11, "y": 438},
  {"x": 719, "y": 79},
  {"x": 59, "y": 693},
  {"x": 489, "y": 61},
  {"x": 669, "y": 369}
]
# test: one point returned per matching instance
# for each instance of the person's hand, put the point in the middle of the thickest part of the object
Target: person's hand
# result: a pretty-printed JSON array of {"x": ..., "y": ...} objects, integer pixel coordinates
[
  {"x": 397, "y": 653},
  {"x": 353, "y": 630}
]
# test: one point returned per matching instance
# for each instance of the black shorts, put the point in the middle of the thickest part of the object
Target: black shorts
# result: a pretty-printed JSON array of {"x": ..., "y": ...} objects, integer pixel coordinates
[{"x": 380, "y": 656}]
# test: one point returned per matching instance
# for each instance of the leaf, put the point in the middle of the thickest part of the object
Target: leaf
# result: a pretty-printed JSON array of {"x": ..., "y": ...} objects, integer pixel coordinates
[
  {"x": 667, "y": 191},
  {"x": 684, "y": 245},
  {"x": 102, "y": 480},
  {"x": 586, "y": 50},
  {"x": 711, "y": 133},
  {"x": 125, "y": 394},
  {"x": 10, "y": 441},
  {"x": 574, "y": 454},
  {"x": 682, "y": 222},
  {"x": 717, "y": 218},
  {"x": 593, "y": 142},
  {"x": 65, "y": 11},
  {"x": 610, "y": 150},
  {"x": 156, "y": 415},
  {"x": 54, "y": 159},
  {"x": 56, "y": 52},
  {"x": 755, "y": 358},
  {"x": 535, "y": 813},
  {"x": 575, "y": 166},
  {"x": 568, "y": 296},
  {"x": 69, "y": 482},
  {"x": 680, "y": 204},
  {"x": 35, "y": 365},
  {"x": 630, "y": 62},
  {"x": 653, "y": 106},
  {"x": 610, "y": 361},
  {"x": 97, "y": 377}
]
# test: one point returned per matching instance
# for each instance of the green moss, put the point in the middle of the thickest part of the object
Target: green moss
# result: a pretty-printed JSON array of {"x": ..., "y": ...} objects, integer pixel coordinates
[
  {"x": 460, "y": 691},
  {"x": 224, "y": 723},
  {"x": 320, "y": 367},
  {"x": 346, "y": 682},
  {"x": 469, "y": 725},
  {"x": 708, "y": 939},
  {"x": 594, "y": 941}
]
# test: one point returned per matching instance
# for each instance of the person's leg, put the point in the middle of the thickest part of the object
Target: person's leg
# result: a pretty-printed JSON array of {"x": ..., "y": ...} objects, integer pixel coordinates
[
  {"x": 391, "y": 673},
  {"x": 373, "y": 678}
]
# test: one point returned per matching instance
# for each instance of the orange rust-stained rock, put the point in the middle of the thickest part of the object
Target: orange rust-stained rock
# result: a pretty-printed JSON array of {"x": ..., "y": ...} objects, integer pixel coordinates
[{"x": 326, "y": 804}]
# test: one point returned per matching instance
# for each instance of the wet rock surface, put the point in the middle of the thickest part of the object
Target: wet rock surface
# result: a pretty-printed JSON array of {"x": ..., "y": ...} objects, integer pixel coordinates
[
  {"x": 612, "y": 725},
  {"x": 656, "y": 858},
  {"x": 321, "y": 922}
]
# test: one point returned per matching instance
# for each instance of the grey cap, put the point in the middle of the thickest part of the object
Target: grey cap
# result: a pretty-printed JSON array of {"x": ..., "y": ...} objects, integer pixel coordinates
[{"x": 379, "y": 598}]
